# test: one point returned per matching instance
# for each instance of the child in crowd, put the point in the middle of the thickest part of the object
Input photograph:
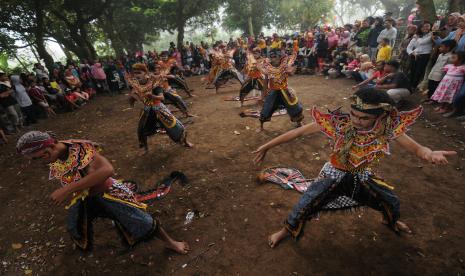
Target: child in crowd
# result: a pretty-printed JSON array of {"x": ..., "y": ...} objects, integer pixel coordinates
[
  {"x": 385, "y": 51},
  {"x": 352, "y": 66},
  {"x": 450, "y": 84},
  {"x": 374, "y": 79},
  {"x": 437, "y": 73}
]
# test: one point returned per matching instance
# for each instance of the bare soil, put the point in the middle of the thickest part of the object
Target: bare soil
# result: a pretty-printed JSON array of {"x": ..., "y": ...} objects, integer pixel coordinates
[{"x": 234, "y": 213}]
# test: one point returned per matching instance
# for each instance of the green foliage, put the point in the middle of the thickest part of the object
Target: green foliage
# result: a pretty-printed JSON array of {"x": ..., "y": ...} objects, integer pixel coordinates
[
  {"x": 238, "y": 12},
  {"x": 301, "y": 14}
]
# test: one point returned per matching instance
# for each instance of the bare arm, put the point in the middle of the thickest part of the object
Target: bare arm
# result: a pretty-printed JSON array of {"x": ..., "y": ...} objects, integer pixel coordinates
[
  {"x": 422, "y": 152},
  {"x": 284, "y": 138},
  {"x": 100, "y": 169}
]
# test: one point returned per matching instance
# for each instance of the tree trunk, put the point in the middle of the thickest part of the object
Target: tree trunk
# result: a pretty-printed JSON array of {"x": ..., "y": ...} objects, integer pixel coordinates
[
  {"x": 250, "y": 25},
  {"x": 427, "y": 10},
  {"x": 456, "y": 6},
  {"x": 391, "y": 6},
  {"x": 66, "y": 51},
  {"x": 39, "y": 35},
  {"x": 181, "y": 24}
]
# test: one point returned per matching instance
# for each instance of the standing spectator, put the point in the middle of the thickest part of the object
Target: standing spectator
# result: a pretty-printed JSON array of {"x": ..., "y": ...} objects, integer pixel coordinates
[
  {"x": 321, "y": 51},
  {"x": 451, "y": 83},
  {"x": 40, "y": 71},
  {"x": 373, "y": 37},
  {"x": 436, "y": 74},
  {"x": 99, "y": 76},
  {"x": 8, "y": 102},
  {"x": 333, "y": 39},
  {"x": 403, "y": 55},
  {"x": 458, "y": 35},
  {"x": 361, "y": 38},
  {"x": 389, "y": 32},
  {"x": 419, "y": 49},
  {"x": 450, "y": 24},
  {"x": 23, "y": 100}
]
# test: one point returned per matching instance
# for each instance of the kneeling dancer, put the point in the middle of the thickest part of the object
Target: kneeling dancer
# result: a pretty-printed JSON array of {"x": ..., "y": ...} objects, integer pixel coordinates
[
  {"x": 276, "y": 92},
  {"x": 86, "y": 179},
  {"x": 155, "y": 115},
  {"x": 359, "y": 139}
]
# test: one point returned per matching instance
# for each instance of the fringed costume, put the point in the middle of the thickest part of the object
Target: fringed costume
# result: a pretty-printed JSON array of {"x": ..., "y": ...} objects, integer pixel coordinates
[
  {"x": 112, "y": 199},
  {"x": 223, "y": 69},
  {"x": 179, "y": 82},
  {"x": 277, "y": 94},
  {"x": 155, "y": 115},
  {"x": 346, "y": 181},
  {"x": 254, "y": 78}
]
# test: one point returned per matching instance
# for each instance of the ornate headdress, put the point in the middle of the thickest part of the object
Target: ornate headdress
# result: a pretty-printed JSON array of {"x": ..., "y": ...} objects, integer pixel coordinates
[
  {"x": 33, "y": 141},
  {"x": 361, "y": 106},
  {"x": 140, "y": 67}
]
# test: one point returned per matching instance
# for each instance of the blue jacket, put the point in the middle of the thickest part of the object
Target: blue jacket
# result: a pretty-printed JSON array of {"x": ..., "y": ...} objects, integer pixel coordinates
[{"x": 460, "y": 44}]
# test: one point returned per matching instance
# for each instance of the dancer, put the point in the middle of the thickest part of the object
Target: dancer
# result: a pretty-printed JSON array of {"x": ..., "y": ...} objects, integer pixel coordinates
[
  {"x": 276, "y": 92},
  {"x": 254, "y": 78},
  {"x": 155, "y": 116},
  {"x": 169, "y": 93},
  {"x": 167, "y": 66},
  {"x": 86, "y": 179},
  {"x": 346, "y": 181},
  {"x": 223, "y": 67}
]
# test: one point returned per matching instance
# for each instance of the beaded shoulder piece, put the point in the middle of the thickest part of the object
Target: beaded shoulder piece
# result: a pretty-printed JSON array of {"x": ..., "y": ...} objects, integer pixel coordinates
[
  {"x": 354, "y": 149},
  {"x": 81, "y": 154}
]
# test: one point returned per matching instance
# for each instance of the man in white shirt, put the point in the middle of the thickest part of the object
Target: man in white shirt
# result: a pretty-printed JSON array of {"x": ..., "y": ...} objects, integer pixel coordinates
[{"x": 389, "y": 32}]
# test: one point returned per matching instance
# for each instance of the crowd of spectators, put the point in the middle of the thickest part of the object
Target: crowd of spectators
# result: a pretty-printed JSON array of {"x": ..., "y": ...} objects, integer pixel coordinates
[{"x": 399, "y": 56}]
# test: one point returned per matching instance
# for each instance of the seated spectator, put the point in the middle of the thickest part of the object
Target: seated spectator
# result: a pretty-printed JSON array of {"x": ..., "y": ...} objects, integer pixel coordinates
[
  {"x": 8, "y": 102},
  {"x": 352, "y": 66},
  {"x": 54, "y": 93},
  {"x": 385, "y": 51},
  {"x": 374, "y": 79},
  {"x": 23, "y": 100},
  {"x": 37, "y": 95},
  {"x": 71, "y": 81},
  {"x": 40, "y": 71},
  {"x": 451, "y": 83},
  {"x": 395, "y": 82}
]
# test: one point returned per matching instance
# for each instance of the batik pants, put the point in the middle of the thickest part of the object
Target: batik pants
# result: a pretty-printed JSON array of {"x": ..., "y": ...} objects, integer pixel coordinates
[
  {"x": 133, "y": 224},
  {"x": 350, "y": 191},
  {"x": 158, "y": 117},
  {"x": 281, "y": 98}
]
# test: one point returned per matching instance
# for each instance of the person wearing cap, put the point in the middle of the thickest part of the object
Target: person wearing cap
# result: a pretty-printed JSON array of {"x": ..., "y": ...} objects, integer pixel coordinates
[
  {"x": 155, "y": 115},
  {"x": 254, "y": 78},
  {"x": 89, "y": 191},
  {"x": 360, "y": 139},
  {"x": 276, "y": 92}
]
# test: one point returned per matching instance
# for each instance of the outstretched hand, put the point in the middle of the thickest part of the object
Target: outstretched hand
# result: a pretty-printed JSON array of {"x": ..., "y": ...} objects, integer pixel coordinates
[
  {"x": 260, "y": 154},
  {"x": 440, "y": 156}
]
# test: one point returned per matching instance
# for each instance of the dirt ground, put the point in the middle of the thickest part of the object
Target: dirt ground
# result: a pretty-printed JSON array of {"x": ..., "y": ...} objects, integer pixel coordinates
[{"x": 234, "y": 213}]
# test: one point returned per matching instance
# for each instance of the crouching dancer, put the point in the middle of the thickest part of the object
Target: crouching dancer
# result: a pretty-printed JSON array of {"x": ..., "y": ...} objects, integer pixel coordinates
[
  {"x": 346, "y": 181},
  {"x": 86, "y": 179}
]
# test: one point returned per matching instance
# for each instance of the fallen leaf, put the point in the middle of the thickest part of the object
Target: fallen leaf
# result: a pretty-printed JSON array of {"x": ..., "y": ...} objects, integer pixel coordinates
[{"x": 16, "y": 246}]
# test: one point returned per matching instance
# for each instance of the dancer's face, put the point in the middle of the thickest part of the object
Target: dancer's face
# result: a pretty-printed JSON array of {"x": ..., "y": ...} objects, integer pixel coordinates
[
  {"x": 139, "y": 74},
  {"x": 164, "y": 58},
  {"x": 275, "y": 60},
  {"x": 362, "y": 121},
  {"x": 46, "y": 156}
]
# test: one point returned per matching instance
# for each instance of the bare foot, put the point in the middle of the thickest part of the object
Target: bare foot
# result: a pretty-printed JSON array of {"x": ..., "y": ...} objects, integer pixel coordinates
[
  {"x": 179, "y": 247},
  {"x": 143, "y": 152},
  {"x": 188, "y": 144},
  {"x": 191, "y": 115},
  {"x": 401, "y": 226},
  {"x": 298, "y": 124},
  {"x": 258, "y": 130},
  {"x": 274, "y": 239}
]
